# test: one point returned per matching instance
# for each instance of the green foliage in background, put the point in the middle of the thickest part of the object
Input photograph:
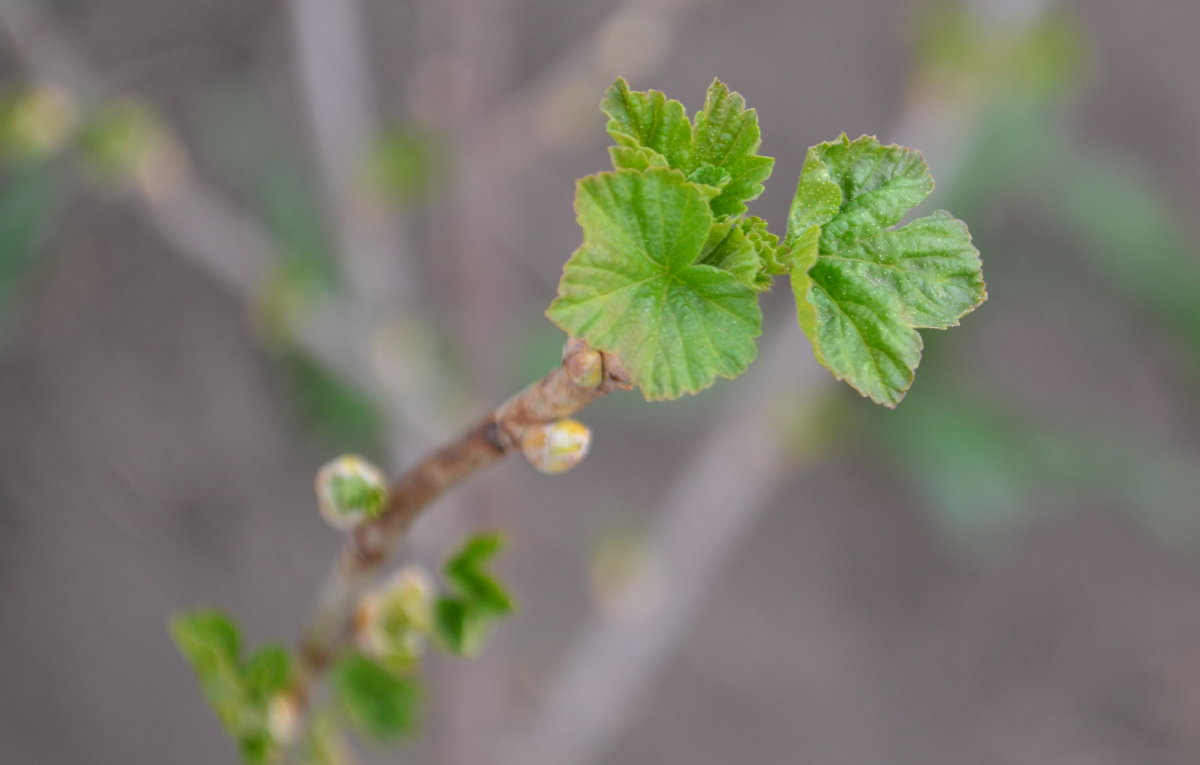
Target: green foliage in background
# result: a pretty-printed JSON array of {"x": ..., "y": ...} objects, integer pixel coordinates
[
  {"x": 30, "y": 198},
  {"x": 670, "y": 269},
  {"x": 335, "y": 411},
  {"x": 1092, "y": 219}
]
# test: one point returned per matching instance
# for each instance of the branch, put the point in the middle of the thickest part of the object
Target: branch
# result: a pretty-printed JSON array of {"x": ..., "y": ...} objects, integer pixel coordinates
[
  {"x": 212, "y": 234},
  {"x": 561, "y": 393},
  {"x": 337, "y": 88},
  {"x": 635, "y": 39}
]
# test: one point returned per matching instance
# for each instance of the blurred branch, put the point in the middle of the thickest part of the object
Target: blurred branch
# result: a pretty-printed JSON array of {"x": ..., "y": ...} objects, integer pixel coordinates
[
  {"x": 211, "y": 233},
  {"x": 560, "y": 105},
  {"x": 41, "y": 49},
  {"x": 338, "y": 90},
  {"x": 335, "y": 77}
]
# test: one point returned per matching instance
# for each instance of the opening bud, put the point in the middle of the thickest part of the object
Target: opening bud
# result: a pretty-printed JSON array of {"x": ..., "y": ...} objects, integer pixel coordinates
[
  {"x": 392, "y": 621},
  {"x": 349, "y": 491},
  {"x": 556, "y": 446}
]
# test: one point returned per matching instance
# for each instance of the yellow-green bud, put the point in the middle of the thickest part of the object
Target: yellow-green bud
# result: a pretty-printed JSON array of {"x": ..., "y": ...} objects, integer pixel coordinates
[
  {"x": 556, "y": 446},
  {"x": 349, "y": 491},
  {"x": 392, "y": 621}
]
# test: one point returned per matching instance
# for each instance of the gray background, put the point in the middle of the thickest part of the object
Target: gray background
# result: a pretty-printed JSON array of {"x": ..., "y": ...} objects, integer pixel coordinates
[{"x": 150, "y": 460}]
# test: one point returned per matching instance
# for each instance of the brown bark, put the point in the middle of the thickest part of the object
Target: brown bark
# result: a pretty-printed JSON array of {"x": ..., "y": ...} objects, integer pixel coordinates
[{"x": 500, "y": 432}]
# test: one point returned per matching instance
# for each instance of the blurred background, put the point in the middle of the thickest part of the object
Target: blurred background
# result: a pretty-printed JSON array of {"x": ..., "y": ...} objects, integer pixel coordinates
[{"x": 237, "y": 239}]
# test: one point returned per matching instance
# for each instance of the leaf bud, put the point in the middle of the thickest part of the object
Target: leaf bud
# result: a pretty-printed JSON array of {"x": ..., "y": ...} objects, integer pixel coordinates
[
  {"x": 349, "y": 491},
  {"x": 392, "y": 621},
  {"x": 584, "y": 366},
  {"x": 555, "y": 447}
]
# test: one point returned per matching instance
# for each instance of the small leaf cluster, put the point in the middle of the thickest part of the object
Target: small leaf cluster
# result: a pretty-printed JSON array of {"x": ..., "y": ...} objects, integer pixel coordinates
[
  {"x": 375, "y": 685},
  {"x": 240, "y": 691},
  {"x": 671, "y": 266},
  {"x": 669, "y": 270}
]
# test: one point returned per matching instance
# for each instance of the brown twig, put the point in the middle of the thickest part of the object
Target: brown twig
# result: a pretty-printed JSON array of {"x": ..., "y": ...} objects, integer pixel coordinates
[{"x": 561, "y": 393}]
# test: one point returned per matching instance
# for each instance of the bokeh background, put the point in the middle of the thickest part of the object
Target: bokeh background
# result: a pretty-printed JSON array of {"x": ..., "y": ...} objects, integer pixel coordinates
[{"x": 237, "y": 239}]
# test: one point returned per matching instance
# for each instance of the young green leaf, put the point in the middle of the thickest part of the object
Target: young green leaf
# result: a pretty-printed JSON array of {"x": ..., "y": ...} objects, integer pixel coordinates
[
  {"x": 379, "y": 703},
  {"x": 863, "y": 289},
  {"x": 727, "y": 137},
  {"x": 729, "y": 249},
  {"x": 635, "y": 288},
  {"x": 208, "y": 639},
  {"x": 266, "y": 673},
  {"x": 652, "y": 131},
  {"x": 767, "y": 245},
  {"x": 465, "y": 572},
  {"x": 650, "y": 123},
  {"x": 461, "y": 629},
  {"x": 240, "y": 694},
  {"x": 461, "y": 619}
]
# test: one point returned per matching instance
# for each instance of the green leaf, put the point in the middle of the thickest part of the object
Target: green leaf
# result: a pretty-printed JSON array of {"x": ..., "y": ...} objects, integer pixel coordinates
[
  {"x": 461, "y": 630},
  {"x": 239, "y": 694},
  {"x": 652, "y": 131},
  {"x": 817, "y": 200},
  {"x": 727, "y": 137},
  {"x": 382, "y": 705},
  {"x": 208, "y": 639},
  {"x": 266, "y": 673},
  {"x": 635, "y": 288},
  {"x": 465, "y": 572},
  {"x": 462, "y": 619},
  {"x": 879, "y": 184},
  {"x": 639, "y": 158},
  {"x": 766, "y": 244},
  {"x": 710, "y": 175},
  {"x": 650, "y": 121},
  {"x": 729, "y": 249},
  {"x": 863, "y": 289}
]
